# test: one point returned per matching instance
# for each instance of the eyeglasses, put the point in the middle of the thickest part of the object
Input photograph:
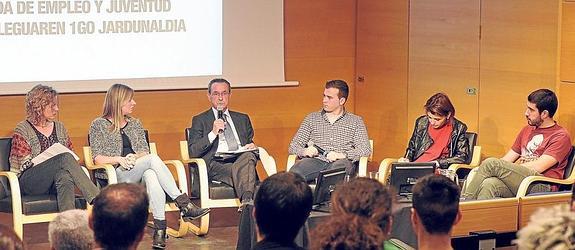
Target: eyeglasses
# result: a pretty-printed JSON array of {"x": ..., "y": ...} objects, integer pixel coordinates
[{"x": 220, "y": 94}]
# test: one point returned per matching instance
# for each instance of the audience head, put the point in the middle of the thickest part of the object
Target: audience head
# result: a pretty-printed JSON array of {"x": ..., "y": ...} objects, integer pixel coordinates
[
  {"x": 118, "y": 103},
  {"x": 549, "y": 228},
  {"x": 70, "y": 230},
  {"x": 361, "y": 217},
  {"x": 282, "y": 204},
  {"x": 439, "y": 110},
  {"x": 119, "y": 215},
  {"x": 41, "y": 105},
  {"x": 541, "y": 104},
  {"x": 9, "y": 240},
  {"x": 435, "y": 205},
  {"x": 219, "y": 91}
]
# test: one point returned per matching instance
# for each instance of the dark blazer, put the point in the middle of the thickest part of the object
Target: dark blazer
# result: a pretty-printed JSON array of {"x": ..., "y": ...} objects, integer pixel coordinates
[
  {"x": 198, "y": 143},
  {"x": 421, "y": 141}
]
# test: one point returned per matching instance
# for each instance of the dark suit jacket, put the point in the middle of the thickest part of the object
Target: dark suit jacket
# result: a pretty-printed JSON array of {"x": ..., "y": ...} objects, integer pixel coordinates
[{"x": 198, "y": 143}]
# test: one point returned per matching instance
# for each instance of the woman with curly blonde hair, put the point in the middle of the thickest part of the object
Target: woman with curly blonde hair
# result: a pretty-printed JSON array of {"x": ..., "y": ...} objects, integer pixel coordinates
[
  {"x": 361, "y": 217},
  {"x": 59, "y": 174}
]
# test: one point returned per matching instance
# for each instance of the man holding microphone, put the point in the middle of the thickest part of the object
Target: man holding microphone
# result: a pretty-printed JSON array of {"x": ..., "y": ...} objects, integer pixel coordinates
[{"x": 219, "y": 130}]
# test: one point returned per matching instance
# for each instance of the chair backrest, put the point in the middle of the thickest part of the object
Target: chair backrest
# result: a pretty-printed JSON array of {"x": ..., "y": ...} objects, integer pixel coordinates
[
  {"x": 570, "y": 164},
  {"x": 146, "y": 136},
  {"x": 187, "y": 132},
  {"x": 472, "y": 139},
  {"x": 5, "y": 146}
]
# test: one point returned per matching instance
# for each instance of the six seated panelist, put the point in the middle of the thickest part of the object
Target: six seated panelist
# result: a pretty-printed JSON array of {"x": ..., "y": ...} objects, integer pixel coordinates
[{"x": 540, "y": 149}]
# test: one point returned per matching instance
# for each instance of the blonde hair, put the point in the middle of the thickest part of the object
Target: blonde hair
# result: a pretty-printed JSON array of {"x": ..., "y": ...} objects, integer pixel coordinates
[
  {"x": 37, "y": 99},
  {"x": 549, "y": 228},
  {"x": 116, "y": 96}
]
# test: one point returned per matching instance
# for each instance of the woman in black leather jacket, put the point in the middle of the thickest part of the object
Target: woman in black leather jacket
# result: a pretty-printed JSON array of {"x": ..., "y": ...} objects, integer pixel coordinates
[{"x": 438, "y": 136}]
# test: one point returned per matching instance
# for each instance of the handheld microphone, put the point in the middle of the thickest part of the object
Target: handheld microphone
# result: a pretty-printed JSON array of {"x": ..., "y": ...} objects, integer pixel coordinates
[
  {"x": 320, "y": 150},
  {"x": 220, "y": 116}
]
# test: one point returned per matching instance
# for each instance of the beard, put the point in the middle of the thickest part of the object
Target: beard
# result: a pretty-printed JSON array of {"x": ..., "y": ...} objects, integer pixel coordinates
[{"x": 535, "y": 122}]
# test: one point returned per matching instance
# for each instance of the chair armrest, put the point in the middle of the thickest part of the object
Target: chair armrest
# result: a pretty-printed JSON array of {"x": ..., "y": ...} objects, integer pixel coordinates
[
  {"x": 476, "y": 159},
  {"x": 524, "y": 187},
  {"x": 385, "y": 169},
  {"x": 110, "y": 171},
  {"x": 90, "y": 165},
  {"x": 455, "y": 167},
  {"x": 362, "y": 171},
  {"x": 14, "y": 191},
  {"x": 290, "y": 161},
  {"x": 184, "y": 153},
  {"x": 177, "y": 167},
  {"x": 267, "y": 161},
  {"x": 203, "y": 175}
]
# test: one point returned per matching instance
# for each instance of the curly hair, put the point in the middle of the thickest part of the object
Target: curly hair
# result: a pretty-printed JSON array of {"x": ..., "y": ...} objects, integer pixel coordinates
[
  {"x": 361, "y": 215},
  {"x": 549, "y": 228},
  {"x": 37, "y": 99}
]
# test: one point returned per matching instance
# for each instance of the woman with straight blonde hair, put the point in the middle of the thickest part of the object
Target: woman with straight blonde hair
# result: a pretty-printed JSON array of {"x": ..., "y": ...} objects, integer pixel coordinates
[{"x": 117, "y": 138}]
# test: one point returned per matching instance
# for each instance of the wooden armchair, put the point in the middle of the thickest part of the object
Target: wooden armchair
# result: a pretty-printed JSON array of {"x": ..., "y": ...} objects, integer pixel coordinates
[
  {"x": 176, "y": 168},
  {"x": 362, "y": 165},
  {"x": 564, "y": 184},
  {"x": 461, "y": 169},
  {"x": 25, "y": 209},
  {"x": 214, "y": 194}
]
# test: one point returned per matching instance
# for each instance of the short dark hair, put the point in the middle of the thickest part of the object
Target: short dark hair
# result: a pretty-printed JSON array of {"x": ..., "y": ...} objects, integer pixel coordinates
[
  {"x": 436, "y": 202},
  {"x": 341, "y": 85},
  {"x": 544, "y": 99},
  {"x": 119, "y": 215},
  {"x": 219, "y": 80},
  {"x": 282, "y": 205},
  {"x": 439, "y": 104}
]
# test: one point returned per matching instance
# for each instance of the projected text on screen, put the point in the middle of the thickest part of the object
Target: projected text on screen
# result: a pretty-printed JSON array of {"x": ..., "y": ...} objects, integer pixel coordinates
[{"x": 109, "y": 39}]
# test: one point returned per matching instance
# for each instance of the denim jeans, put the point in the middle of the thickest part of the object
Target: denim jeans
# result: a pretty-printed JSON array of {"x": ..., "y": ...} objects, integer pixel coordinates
[
  {"x": 309, "y": 168},
  {"x": 496, "y": 178},
  {"x": 155, "y": 175}
]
